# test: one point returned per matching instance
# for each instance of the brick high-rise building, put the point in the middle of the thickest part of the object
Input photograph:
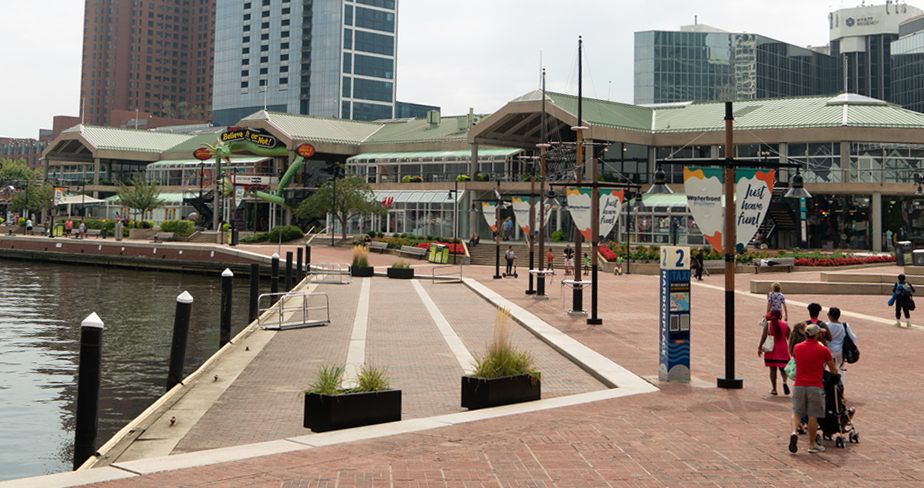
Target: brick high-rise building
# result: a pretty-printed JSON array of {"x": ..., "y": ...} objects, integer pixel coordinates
[{"x": 139, "y": 53}]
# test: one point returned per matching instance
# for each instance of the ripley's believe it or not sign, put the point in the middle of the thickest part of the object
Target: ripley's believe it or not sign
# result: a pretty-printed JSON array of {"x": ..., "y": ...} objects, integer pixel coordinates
[
  {"x": 256, "y": 136},
  {"x": 753, "y": 190}
]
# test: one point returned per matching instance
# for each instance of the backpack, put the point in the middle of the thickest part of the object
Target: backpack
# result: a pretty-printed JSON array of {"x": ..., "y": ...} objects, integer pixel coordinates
[
  {"x": 851, "y": 353},
  {"x": 905, "y": 290}
]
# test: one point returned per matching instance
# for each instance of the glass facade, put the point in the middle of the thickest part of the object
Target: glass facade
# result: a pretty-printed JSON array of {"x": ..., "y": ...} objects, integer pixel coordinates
[
  {"x": 699, "y": 66},
  {"x": 908, "y": 72},
  {"x": 330, "y": 58}
]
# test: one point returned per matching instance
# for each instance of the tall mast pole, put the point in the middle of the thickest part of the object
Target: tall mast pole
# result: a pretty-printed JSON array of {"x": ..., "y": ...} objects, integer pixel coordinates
[
  {"x": 729, "y": 381},
  {"x": 577, "y": 293},
  {"x": 540, "y": 283}
]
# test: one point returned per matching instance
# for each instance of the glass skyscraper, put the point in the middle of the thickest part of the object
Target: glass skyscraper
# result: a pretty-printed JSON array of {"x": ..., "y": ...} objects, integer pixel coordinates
[
  {"x": 331, "y": 58},
  {"x": 708, "y": 64},
  {"x": 908, "y": 66}
]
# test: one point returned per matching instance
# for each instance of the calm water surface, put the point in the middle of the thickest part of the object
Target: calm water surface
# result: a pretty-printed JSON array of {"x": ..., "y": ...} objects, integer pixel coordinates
[{"x": 41, "y": 308}]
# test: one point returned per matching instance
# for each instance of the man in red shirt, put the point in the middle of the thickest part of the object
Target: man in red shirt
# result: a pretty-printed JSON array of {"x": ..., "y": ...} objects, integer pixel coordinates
[{"x": 808, "y": 394}]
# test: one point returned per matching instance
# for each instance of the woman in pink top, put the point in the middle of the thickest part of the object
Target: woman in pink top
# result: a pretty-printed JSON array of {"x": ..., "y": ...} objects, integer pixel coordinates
[{"x": 779, "y": 356}]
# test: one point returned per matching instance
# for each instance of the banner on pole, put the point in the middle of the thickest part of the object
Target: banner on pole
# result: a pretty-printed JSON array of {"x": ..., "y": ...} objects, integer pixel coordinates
[
  {"x": 609, "y": 205},
  {"x": 521, "y": 213},
  {"x": 490, "y": 215},
  {"x": 704, "y": 189}
]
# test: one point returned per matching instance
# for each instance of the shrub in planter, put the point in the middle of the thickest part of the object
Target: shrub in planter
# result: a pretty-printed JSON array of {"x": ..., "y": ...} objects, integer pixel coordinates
[
  {"x": 328, "y": 406},
  {"x": 462, "y": 178},
  {"x": 178, "y": 227},
  {"x": 360, "y": 265},
  {"x": 482, "y": 177},
  {"x": 400, "y": 270},
  {"x": 558, "y": 236},
  {"x": 289, "y": 233},
  {"x": 504, "y": 374}
]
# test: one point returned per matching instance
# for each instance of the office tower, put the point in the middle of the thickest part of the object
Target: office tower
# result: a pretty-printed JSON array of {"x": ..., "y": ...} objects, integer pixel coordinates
[
  {"x": 331, "y": 58},
  {"x": 138, "y": 54},
  {"x": 701, "y": 63}
]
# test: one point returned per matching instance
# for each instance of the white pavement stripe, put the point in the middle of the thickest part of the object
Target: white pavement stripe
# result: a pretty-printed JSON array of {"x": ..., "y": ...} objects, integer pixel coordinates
[
  {"x": 356, "y": 354},
  {"x": 465, "y": 358},
  {"x": 844, "y": 313}
]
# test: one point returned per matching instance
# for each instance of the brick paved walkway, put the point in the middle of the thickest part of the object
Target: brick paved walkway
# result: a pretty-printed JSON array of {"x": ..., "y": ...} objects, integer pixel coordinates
[{"x": 683, "y": 435}]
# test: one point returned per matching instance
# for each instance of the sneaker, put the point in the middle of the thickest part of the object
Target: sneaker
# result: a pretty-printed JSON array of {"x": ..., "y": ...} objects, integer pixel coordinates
[
  {"x": 908, "y": 324},
  {"x": 793, "y": 443},
  {"x": 897, "y": 324},
  {"x": 817, "y": 448}
]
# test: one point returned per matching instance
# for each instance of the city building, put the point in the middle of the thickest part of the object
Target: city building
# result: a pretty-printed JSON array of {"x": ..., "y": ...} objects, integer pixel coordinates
[
  {"x": 29, "y": 150},
  {"x": 139, "y": 54},
  {"x": 861, "y": 38},
  {"x": 700, "y": 63},
  {"x": 329, "y": 58},
  {"x": 908, "y": 65}
]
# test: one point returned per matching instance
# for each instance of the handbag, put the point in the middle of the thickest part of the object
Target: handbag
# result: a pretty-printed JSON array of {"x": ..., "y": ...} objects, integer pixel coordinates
[
  {"x": 790, "y": 368},
  {"x": 767, "y": 346},
  {"x": 851, "y": 353}
]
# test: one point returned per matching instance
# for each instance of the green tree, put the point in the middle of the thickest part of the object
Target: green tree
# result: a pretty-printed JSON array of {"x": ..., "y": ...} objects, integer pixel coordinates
[
  {"x": 345, "y": 198},
  {"x": 182, "y": 110},
  {"x": 29, "y": 194},
  {"x": 196, "y": 112},
  {"x": 167, "y": 109},
  {"x": 140, "y": 195}
]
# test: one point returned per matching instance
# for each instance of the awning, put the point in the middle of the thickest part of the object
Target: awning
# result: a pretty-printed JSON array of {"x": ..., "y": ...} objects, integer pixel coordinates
[
  {"x": 487, "y": 154},
  {"x": 194, "y": 163},
  {"x": 84, "y": 200},
  {"x": 418, "y": 196}
]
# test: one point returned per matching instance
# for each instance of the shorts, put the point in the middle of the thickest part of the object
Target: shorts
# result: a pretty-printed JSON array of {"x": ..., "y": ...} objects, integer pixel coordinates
[{"x": 808, "y": 400}]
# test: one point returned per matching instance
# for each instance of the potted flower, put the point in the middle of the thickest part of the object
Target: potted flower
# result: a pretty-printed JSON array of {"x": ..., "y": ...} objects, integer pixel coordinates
[
  {"x": 360, "y": 266},
  {"x": 328, "y": 406},
  {"x": 401, "y": 270},
  {"x": 503, "y": 375}
]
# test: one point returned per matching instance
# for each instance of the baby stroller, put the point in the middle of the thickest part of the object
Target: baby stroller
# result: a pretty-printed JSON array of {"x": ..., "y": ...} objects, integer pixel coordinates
[{"x": 838, "y": 418}]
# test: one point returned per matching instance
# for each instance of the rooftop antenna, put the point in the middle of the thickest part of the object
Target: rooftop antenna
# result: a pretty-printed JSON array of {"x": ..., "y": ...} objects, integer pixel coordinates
[
  {"x": 695, "y": 21},
  {"x": 845, "y": 74},
  {"x": 265, "y": 91},
  {"x": 608, "y": 87}
]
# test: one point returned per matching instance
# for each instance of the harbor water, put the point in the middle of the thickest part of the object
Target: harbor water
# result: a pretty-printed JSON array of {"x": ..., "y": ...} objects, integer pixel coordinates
[{"x": 41, "y": 308}]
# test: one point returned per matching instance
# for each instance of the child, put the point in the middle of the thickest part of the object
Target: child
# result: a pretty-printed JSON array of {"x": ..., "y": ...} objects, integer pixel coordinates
[
  {"x": 586, "y": 263},
  {"x": 549, "y": 259},
  {"x": 618, "y": 270}
]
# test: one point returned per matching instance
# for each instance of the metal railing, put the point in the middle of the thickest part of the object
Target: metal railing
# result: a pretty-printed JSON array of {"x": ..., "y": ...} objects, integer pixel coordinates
[
  {"x": 449, "y": 277},
  {"x": 330, "y": 273},
  {"x": 293, "y": 310}
]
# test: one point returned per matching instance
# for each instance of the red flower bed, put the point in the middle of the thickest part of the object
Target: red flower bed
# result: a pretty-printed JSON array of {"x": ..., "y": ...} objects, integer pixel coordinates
[
  {"x": 843, "y": 261},
  {"x": 607, "y": 253},
  {"x": 453, "y": 248}
]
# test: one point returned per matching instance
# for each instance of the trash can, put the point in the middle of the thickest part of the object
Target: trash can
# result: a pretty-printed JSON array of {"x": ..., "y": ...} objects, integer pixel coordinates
[
  {"x": 234, "y": 237},
  {"x": 903, "y": 252},
  {"x": 439, "y": 254},
  {"x": 917, "y": 257}
]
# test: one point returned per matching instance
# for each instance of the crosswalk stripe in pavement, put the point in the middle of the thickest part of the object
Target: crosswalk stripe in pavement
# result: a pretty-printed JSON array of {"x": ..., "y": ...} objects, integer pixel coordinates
[
  {"x": 461, "y": 353},
  {"x": 356, "y": 354}
]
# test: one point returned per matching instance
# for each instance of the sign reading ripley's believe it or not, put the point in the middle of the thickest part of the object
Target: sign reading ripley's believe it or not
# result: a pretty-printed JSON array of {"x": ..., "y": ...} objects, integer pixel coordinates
[
  {"x": 256, "y": 136},
  {"x": 609, "y": 205},
  {"x": 704, "y": 189}
]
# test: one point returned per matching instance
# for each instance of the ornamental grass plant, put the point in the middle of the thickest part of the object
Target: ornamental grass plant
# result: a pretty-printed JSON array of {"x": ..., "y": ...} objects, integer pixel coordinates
[
  {"x": 329, "y": 380},
  {"x": 360, "y": 257},
  {"x": 501, "y": 357}
]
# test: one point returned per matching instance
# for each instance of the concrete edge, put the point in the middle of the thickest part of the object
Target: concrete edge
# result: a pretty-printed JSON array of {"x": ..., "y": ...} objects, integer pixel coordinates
[
  {"x": 205, "y": 458},
  {"x": 68, "y": 479},
  {"x": 594, "y": 363}
]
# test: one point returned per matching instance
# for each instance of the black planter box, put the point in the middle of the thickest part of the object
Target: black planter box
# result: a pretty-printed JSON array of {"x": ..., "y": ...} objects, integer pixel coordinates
[
  {"x": 401, "y": 273},
  {"x": 333, "y": 412},
  {"x": 362, "y": 272},
  {"x": 480, "y": 393}
]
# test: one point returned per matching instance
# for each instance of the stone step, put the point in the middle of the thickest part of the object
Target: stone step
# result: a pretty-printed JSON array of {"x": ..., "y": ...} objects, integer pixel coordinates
[
  {"x": 823, "y": 288},
  {"x": 890, "y": 279}
]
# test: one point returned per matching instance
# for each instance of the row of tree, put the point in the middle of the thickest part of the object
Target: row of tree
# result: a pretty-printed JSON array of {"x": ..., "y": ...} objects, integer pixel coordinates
[{"x": 182, "y": 110}]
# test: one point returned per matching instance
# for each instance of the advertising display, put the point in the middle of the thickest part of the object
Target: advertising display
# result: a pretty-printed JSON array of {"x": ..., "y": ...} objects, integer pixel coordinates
[
  {"x": 704, "y": 189},
  {"x": 674, "y": 313},
  {"x": 609, "y": 207}
]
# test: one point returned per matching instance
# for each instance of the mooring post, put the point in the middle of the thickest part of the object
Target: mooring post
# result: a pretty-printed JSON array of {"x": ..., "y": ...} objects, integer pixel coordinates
[
  {"x": 88, "y": 382},
  {"x": 288, "y": 270},
  {"x": 180, "y": 336},
  {"x": 254, "y": 291},
  {"x": 307, "y": 260},
  {"x": 224, "y": 336},
  {"x": 274, "y": 276},
  {"x": 299, "y": 271}
]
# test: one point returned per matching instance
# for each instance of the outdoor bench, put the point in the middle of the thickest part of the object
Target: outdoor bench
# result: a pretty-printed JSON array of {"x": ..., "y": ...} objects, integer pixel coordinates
[
  {"x": 94, "y": 232},
  {"x": 380, "y": 246},
  {"x": 777, "y": 264},
  {"x": 163, "y": 236},
  {"x": 419, "y": 252}
]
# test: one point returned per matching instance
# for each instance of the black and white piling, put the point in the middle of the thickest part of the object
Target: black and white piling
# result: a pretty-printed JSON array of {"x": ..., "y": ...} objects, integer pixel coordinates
[
  {"x": 180, "y": 336},
  {"x": 274, "y": 276},
  {"x": 224, "y": 335},
  {"x": 288, "y": 270},
  {"x": 88, "y": 382},
  {"x": 254, "y": 291},
  {"x": 299, "y": 271}
]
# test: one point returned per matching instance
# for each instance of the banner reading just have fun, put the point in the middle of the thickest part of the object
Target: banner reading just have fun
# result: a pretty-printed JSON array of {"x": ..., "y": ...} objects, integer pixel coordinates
[
  {"x": 609, "y": 205},
  {"x": 704, "y": 190}
]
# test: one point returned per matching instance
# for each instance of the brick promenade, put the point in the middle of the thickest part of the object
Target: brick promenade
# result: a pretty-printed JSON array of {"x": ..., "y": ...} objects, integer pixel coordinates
[{"x": 683, "y": 435}]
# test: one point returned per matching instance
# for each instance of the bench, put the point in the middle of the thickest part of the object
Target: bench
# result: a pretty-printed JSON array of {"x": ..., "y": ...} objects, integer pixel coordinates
[
  {"x": 419, "y": 252},
  {"x": 94, "y": 232},
  {"x": 779, "y": 263},
  {"x": 380, "y": 246},
  {"x": 163, "y": 236}
]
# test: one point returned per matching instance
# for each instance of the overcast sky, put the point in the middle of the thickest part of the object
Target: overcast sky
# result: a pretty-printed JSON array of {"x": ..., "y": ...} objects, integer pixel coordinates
[{"x": 454, "y": 54}]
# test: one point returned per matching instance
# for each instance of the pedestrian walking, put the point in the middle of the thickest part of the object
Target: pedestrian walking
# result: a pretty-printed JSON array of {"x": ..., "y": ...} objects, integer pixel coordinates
[
  {"x": 68, "y": 227},
  {"x": 569, "y": 259},
  {"x": 81, "y": 230},
  {"x": 808, "y": 395},
  {"x": 776, "y": 358},
  {"x": 700, "y": 262},
  {"x": 586, "y": 264},
  {"x": 902, "y": 296},
  {"x": 814, "y": 310},
  {"x": 839, "y": 330},
  {"x": 511, "y": 258},
  {"x": 549, "y": 261},
  {"x": 29, "y": 226},
  {"x": 777, "y": 301}
]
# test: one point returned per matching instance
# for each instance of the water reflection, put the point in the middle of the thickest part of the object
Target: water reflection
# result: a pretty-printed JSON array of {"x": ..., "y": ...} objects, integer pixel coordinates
[{"x": 41, "y": 307}]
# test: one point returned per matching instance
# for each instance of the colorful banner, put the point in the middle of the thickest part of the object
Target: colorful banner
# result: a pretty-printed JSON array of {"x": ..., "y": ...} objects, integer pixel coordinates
[
  {"x": 490, "y": 215},
  {"x": 704, "y": 189},
  {"x": 521, "y": 213},
  {"x": 609, "y": 205}
]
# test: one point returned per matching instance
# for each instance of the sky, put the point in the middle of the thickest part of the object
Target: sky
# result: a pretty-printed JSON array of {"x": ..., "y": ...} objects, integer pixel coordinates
[{"x": 458, "y": 55}]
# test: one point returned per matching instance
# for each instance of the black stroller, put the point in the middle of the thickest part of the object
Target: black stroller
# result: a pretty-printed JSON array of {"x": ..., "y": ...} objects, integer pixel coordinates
[{"x": 838, "y": 418}]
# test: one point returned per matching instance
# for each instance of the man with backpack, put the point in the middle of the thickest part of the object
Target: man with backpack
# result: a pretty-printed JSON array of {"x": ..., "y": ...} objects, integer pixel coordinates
[{"x": 903, "y": 292}]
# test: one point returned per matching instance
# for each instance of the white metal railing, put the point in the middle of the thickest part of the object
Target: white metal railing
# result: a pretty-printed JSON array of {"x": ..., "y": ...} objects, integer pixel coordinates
[
  {"x": 330, "y": 273},
  {"x": 293, "y": 310},
  {"x": 449, "y": 276}
]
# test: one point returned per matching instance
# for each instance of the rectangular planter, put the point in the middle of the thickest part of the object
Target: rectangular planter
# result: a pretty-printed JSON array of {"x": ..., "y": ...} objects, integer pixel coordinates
[
  {"x": 363, "y": 272},
  {"x": 333, "y": 412},
  {"x": 401, "y": 273},
  {"x": 480, "y": 393}
]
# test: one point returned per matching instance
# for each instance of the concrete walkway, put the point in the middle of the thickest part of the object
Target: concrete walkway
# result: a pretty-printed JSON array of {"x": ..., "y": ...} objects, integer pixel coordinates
[{"x": 580, "y": 434}]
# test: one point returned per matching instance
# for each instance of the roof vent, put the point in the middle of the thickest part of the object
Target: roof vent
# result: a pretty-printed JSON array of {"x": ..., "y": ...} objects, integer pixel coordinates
[
  {"x": 854, "y": 99},
  {"x": 433, "y": 118}
]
